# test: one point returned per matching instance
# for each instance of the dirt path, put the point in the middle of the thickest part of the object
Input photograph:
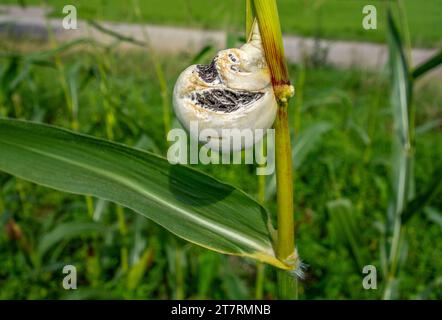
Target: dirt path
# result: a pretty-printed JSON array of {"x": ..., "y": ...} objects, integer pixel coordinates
[{"x": 31, "y": 22}]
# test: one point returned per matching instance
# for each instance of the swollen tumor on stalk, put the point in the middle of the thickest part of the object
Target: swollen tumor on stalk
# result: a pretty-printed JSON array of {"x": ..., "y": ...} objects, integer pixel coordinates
[{"x": 233, "y": 91}]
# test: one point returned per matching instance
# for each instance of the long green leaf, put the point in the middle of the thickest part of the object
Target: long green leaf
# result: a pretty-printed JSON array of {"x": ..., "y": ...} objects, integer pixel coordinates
[
  {"x": 402, "y": 160},
  {"x": 188, "y": 203},
  {"x": 428, "y": 65},
  {"x": 402, "y": 118}
]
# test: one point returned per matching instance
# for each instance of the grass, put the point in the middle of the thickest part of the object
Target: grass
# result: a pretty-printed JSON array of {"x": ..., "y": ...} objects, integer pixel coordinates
[
  {"x": 350, "y": 162},
  {"x": 334, "y": 19}
]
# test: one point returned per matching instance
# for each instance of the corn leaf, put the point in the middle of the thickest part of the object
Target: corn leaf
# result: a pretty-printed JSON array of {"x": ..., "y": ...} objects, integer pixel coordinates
[{"x": 188, "y": 203}]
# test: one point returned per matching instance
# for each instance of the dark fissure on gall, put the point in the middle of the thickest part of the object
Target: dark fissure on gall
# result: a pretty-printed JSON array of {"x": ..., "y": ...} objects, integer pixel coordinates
[
  {"x": 208, "y": 72},
  {"x": 225, "y": 100}
]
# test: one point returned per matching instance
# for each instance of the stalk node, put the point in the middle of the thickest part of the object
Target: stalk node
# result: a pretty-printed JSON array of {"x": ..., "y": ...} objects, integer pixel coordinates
[{"x": 284, "y": 92}]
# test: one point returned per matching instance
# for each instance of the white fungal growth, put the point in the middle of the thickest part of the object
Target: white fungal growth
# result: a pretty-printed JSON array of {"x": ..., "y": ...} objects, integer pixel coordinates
[{"x": 234, "y": 91}]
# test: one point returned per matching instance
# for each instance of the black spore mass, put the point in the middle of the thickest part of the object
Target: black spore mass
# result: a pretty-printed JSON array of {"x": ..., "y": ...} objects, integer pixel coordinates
[
  {"x": 208, "y": 72},
  {"x": 224, "y": 99}
]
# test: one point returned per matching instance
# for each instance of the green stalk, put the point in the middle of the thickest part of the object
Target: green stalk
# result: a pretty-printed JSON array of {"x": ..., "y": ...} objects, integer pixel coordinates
[
  {"x": 179, "y": 290},
  {"x": 284, "y": 184},
  {"x": 287, "y": 284},
  {"x": 270, "y": 29},
  {"x": 90, "y": 206},
  {"x": 124, "y": 252},
  {"x": 259, "y": 285}
]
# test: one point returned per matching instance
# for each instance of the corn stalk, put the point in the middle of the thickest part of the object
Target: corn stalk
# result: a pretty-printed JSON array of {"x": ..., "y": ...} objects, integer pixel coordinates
[{"x": 267, "y": 14}]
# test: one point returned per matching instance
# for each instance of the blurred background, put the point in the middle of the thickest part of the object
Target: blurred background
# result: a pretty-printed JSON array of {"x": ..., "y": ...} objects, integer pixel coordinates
[{"x": 113, "y": 78}]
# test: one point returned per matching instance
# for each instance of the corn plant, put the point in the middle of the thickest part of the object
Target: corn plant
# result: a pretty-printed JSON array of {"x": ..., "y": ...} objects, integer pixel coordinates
[
  {"x": 188, "y": 203},
  {"x": 404, "y": 202}
]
